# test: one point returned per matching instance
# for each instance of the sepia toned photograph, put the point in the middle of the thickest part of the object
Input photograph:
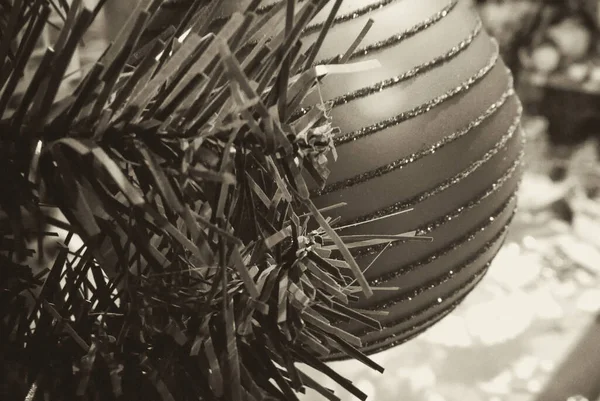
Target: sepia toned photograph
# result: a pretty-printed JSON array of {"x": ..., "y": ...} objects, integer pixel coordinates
[{"x": 299, "y": 200}]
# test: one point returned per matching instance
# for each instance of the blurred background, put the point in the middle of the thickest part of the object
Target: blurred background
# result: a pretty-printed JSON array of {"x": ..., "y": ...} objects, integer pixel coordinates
[{"x": 531, "y": 330}]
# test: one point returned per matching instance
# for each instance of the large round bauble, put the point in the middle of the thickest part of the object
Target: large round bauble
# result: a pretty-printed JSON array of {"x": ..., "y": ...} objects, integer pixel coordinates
[{"x": 435, "y": 130}]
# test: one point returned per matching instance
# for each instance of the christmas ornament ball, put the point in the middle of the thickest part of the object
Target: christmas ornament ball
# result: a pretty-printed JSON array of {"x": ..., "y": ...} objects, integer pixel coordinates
[{"x": 431, "y": 142}]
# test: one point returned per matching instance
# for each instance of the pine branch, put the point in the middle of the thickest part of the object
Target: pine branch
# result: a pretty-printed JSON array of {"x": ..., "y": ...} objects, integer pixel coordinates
[{"x": 191, "y": 264}]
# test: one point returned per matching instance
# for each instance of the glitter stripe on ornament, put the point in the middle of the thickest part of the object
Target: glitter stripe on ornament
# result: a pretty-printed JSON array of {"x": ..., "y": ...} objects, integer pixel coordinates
[
  {"x": 405, "y": 76},
  {"x": 475, "y": 277},
  {"x": 417, "y": 329},
  {"x": 414, "y": 331},
  {"x": 424, "y": 287},
  {"x": 340, "y": 18},
  {"x": 349, "y": 16},
  {"x": 392, "y": 40},
  {"x": 495, "y": 187},
  {"x": 400, "y": 163},
  {"x": 406, "y": 204},
  {"x": 424, "y": 108},
  {"x": 406, "y": 335},
  {"x": 441, "y": 253},
  {"x": 429, "y": 227},
  {"x": 268, "y": 7},
  {"x": 415, "y": 71},
  {"x": 392, "y": 340},
  {"x": 459, "y": 243},
  {"x": 404, "y": 298},
  {"x": 467, "y": 284},
  {"x": 399, "y": 338},
  {"x": 466, "y": 172},
  {"x": 456, "y": 178}
]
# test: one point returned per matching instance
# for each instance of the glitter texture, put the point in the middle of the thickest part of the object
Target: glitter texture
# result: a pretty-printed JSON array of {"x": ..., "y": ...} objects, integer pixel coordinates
[
  {"x": 420, "y": 69},
  {"x": 401, "y": 337},
  {"x": 388, "y": 42},
  {"x": 350, "y": 16},
  {"x": 434, "y": 225},
  {"x": 470, "y": 283},
  {"x": 424, "y": 108},
  {"x": 418, "y": 328},
  {"x": 392, "y": 340},
  {"x": 407, "y": 296},
  {"x": 474, "y": 203},
  {"x": 470, "y": 236},
  {"x": 403, "y": 205},
  {"x": 441, "y": 304},
  {"x": 339, "y": 19},
  {"x": 400, "y": 163},
  {"x": 388, "y": 325}
]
